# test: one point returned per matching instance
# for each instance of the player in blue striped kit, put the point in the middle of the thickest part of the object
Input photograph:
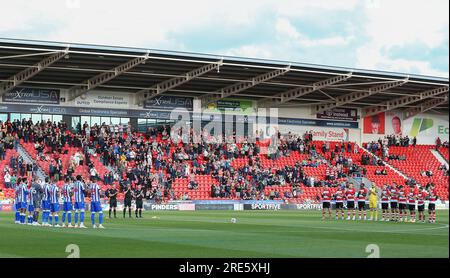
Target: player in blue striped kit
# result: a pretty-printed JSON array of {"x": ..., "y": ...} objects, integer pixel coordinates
[
  {"x": 21, "y": 200},
  {"x": 95, "y": 204},
  {"x": 17, "y": 204},
  {"x": 78, "y": 190},
  {"x": 45, "y": 203},
  {"x": 67, "y": 206},
  {"x": 54, "y": 205},
  {"x": 30, "y": 202}
]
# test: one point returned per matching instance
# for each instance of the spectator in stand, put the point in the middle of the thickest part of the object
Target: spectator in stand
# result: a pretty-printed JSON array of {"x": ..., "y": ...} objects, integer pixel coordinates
[
  {"x": 13, "y": 180},
  {"x": 438, "y": 143},
  {"x": 2, "y": 150},
  {"x": 12, "y": 162},
  {"x": 385, "y": 152},
  {"x": 374, "y": 161},
  {"x": 93, "y": 173},
  {"x": 7, "y": 179},
  {"x": 192, "y": 183},
  {"x": 29, "y": 169},
  {"x": 444, "y": 169}
]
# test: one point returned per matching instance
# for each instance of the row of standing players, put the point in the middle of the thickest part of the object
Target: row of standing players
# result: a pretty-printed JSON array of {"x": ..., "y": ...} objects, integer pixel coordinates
[
  {"x": 32, "y": 199},
  {"x": 45, "y": 198},
  {"x": 395, "y": 203}
]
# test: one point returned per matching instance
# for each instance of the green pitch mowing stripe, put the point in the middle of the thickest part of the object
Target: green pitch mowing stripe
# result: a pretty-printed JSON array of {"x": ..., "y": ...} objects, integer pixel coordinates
[{"x": 206, "y": 234}]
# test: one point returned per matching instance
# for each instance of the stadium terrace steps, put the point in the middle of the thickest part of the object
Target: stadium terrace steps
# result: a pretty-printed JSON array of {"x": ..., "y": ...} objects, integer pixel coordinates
[
  {"x": 386, "y": 164},
  {"x": 441, "y": 156},
  {"x": 444, "y": 152},
  {"x": 28, "y": 159}
]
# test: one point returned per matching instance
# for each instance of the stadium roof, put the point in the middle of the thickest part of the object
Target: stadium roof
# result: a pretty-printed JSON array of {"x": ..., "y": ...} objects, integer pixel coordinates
[{"x": 150, "y": 72}]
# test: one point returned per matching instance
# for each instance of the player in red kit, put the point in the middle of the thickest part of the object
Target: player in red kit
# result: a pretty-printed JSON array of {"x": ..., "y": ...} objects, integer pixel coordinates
[
  {"x": 402, "y": 204},
  {"x": 326, "y": 202},
  {"x": 421, "y": 204},
  {"x": 385, "y": 203},
  {"x": 361, "y": 198},
  {"x": 350, "y": 197},
  {"x": 393, "y": 193},
  {"x": 339, "y": 197},
  {"x": 412, "y": 205},
  {"x": 432, "y": 198}
]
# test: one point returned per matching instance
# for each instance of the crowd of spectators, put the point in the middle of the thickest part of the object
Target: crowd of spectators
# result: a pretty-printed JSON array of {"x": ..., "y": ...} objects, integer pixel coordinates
[
  {"x": 50, "y": 140},
  {"x": 16, "y": 167},
  {"x": 154, "y": 161}
]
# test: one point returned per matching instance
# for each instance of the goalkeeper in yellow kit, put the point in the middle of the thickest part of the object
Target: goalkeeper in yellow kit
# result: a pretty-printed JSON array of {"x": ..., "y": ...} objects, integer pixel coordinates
[{"x": 373, "y": 201}]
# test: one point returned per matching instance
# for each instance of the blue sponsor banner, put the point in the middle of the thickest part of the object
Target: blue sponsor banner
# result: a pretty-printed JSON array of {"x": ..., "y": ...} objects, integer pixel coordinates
[
  {"x": 169, "y": 102},
  {"x": 312, "y": 122},
  {"x": 32, "y": 95},
  {"x": 65, "y": 110},
  {"x": 157, "y": 114},
  {"x": 151, "y": 114}
]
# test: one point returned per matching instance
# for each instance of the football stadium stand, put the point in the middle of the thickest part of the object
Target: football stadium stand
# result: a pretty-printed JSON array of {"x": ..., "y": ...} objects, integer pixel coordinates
[{"x": 107, "y": 112}]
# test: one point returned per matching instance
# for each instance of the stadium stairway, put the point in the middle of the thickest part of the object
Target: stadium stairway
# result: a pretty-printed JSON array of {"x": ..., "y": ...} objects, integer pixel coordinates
[
  {"x": 384, "y": 163},
  {"x": 444, "y": 153},
  {"x": 440, "y": 157},
  {"x": 28, "y": 159}
]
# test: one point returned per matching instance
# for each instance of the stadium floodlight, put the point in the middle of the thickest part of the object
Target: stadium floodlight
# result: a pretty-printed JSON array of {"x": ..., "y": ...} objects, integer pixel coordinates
[
  {"x": 102, "y": 78},
  {"x": 403, "y": 101},
  {"x": 164, "y": 86},
  {"x": 242, "y": 86},
  {"x": 29, "y": 72},
  {"x": 423, "y": 107},
  {"x": 348, "y": 98},
  {"x": 304, "y": 90}
]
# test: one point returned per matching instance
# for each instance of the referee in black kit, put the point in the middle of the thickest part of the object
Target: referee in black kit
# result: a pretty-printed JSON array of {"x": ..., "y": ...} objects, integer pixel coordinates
[
  {"x": 139, "y": 196},
  {"x": 128, "y": 192},
  {"x": 111, "y": 193}
]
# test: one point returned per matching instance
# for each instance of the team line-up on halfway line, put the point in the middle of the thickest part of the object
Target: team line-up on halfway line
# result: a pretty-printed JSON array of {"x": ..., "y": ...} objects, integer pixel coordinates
[{"x": 395, "y": 203}]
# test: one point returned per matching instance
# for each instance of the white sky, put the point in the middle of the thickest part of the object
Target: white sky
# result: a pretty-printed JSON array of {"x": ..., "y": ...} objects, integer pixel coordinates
[{"x": 395, "y": 35}]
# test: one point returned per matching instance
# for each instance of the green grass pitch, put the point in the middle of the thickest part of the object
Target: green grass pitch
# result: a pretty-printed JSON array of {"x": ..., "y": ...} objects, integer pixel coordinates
[{"x": 206, "y": 234}]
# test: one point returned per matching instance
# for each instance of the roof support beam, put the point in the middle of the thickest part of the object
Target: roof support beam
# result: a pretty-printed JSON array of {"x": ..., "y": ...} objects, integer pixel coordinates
[
  {"x": 428, "y": 105},
  {"x": 167, "y": 85},
  {"x": 242, "y": 86},
  {"x": 102, "y": 78},
  {"x": 301, "y": 91},
  {"x": 403, "y": 101},
  {"x": 348, "y": 98},
  {"x": 28, "y": 73}
]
